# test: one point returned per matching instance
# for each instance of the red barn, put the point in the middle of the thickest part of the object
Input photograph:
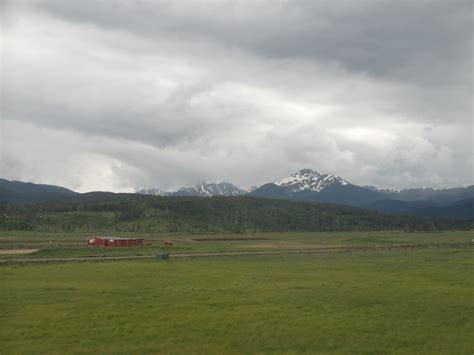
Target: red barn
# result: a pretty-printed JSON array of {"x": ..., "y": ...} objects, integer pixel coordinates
[{"x": 115, "y": 242}]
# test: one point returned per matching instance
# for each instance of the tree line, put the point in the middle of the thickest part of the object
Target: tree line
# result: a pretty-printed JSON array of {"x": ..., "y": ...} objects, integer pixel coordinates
[{"x": 132, "y": 212}]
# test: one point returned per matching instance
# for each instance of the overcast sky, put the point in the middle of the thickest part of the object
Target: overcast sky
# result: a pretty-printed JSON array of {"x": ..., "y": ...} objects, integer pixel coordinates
[{"x": 122, "y": 95}]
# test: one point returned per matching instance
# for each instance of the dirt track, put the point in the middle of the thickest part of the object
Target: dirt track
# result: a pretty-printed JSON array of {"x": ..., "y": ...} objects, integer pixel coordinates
[{"x": 17, "y": 251}]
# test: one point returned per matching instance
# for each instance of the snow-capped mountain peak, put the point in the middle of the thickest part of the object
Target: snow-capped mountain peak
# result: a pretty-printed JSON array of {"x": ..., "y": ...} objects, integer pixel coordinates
[
  {"x": 201, "y": 189},
  {"x": 309, "y": 180},
  {"x": 208, "y": 189}
]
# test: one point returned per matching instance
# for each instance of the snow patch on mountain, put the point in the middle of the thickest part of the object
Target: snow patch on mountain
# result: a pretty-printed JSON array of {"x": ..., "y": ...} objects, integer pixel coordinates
[
  {"x": 381, "y": 189},
  {"x": 202, "y": 189},
  {"x": 310, "y": 180},
  {"x": 153, "y": 192},
  {"x": 206, "y": 189}
]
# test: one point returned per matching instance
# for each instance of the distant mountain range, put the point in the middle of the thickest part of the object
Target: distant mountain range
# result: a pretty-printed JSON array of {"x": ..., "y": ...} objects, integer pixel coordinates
[
  {"x": 305, "y": 185},
  {"x": 202, "y": 189},
  {"x": 312, "y": 186}
]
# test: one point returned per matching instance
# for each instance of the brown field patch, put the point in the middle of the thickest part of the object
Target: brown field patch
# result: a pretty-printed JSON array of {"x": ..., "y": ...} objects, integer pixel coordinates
[{"x": 17, "y": 251}]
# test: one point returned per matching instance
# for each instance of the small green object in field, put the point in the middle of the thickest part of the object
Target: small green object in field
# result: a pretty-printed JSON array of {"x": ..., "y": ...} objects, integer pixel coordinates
[{"x": 162, "y": 256}]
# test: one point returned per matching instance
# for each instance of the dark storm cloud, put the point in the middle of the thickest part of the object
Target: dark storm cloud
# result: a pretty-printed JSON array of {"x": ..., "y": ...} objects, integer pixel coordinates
[
  {"x": 426, "y": 44},
  {"x": 387, "y": 38},
  {"x": 163, "y": 94}
]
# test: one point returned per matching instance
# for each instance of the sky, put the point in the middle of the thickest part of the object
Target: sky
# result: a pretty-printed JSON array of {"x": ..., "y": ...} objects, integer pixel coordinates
[{"x": 124, "y": 95}]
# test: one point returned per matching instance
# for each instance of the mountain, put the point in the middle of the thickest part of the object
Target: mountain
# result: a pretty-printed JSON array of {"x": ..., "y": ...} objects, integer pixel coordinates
[
  {"x": 387, "y": 190},
  {"x": 271, "y": 191},
  {"x": 427, "y": 202},
  {"x": 391, "y": 206},
  {"x": 427, "y": 193},
  {"x": 310, "y": 185},
  {"x": 463, "y": 209},
  {"x": 349, "y": 194},
  {"x": 202, "y": 189},
  {"x": 306, "y": 185},
  {"x": 309, "y": 180},
  {"x": 452, "y": 195},
  {"x": 15, "y": 192},
  {"x": 206, "y": 189}
]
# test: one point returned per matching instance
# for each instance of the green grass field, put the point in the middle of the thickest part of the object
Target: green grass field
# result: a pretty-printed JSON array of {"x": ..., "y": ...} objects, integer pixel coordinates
[
  {"x": 72, "y": 244},
  {"x": 371, "y": 302}
]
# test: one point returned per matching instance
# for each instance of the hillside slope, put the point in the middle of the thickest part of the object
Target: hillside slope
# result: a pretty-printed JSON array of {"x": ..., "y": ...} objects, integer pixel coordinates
[
  {"x": 141, "y": 213},
  {"x": 15, "y": 192},
  {"x": 463, "y": 209}
]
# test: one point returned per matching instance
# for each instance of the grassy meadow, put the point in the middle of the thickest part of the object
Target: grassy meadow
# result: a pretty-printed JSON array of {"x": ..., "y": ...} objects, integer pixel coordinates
[
  {"x": 369, "y": 302},
  {"x": 71, "y": 244}
]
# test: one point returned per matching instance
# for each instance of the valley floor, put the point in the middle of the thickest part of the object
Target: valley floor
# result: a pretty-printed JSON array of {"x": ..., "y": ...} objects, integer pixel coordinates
[
  {"x": 391, "y": 300},
  {"x": 34, "y": 245}
]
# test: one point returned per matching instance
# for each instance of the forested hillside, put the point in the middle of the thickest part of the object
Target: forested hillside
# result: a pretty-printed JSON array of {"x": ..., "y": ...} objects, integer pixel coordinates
[{"x": 97, "y": 212}]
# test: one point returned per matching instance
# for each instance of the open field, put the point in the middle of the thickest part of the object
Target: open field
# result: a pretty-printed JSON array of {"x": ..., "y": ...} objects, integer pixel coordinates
[
  {"x": 65, "y": 245},
  {"x": 418, "y": 301}
]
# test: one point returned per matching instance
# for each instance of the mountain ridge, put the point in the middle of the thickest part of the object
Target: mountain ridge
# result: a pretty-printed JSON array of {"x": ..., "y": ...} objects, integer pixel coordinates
[
  {"x": 305, "y": 185},
  {"x": 28, "y": 192},
  {"x": 201, "y": 189}
]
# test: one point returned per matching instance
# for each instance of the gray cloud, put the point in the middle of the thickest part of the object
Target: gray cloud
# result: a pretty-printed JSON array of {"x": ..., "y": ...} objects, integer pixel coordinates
[
  {"x": 145, "y": 93},
  {"x": 386, "y": 38}
]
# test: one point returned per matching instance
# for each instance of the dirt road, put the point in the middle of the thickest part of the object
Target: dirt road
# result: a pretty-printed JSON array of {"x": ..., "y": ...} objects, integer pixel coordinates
[{"x": 17, "y": 251}]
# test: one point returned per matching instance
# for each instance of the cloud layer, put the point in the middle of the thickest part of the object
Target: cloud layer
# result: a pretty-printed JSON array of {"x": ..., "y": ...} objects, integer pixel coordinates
[{"x": 121, "y": 95}]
